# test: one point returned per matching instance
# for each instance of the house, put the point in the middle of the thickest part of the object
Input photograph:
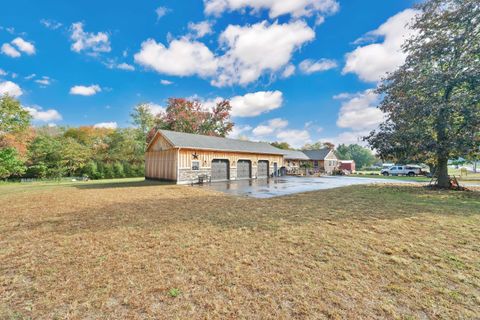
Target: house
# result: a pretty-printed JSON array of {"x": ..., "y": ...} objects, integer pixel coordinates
[
  {"x": 293, "y": 160},
  {"x": 184, "y": 157},
  {"x": 322, "y": 160},
  {"x": 348, "y": 165}
]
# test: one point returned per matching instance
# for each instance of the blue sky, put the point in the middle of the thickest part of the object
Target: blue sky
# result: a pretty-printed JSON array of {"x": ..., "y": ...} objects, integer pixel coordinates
[{"x": 295, "y": 70}]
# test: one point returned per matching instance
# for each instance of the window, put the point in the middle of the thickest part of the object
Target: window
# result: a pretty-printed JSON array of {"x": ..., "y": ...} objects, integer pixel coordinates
[
  {"x": 195, "y": 165},
  {"x": 400, "y": 168}
]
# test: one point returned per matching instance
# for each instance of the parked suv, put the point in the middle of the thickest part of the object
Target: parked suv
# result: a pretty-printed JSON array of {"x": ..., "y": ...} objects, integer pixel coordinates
[{"x": 400, "y": 170}]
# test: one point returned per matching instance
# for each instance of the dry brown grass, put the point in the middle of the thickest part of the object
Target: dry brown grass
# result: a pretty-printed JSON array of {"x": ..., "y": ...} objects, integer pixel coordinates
[{"x": 97, "y": 252}]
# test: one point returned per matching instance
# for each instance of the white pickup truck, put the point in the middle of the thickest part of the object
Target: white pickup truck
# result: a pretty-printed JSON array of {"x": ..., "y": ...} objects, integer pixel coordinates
[{"x": 400, "y": 170}]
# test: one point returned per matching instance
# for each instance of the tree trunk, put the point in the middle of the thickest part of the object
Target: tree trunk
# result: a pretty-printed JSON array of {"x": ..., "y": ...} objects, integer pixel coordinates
[{"x": 443, "y": 180}]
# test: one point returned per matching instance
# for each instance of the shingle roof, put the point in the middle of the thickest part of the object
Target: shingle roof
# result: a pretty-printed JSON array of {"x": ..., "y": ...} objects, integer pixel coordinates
[
  {"x": 317, "y": 154},
  {"x": 196, "y": 141},
  {"x": 295, "y": 155}
]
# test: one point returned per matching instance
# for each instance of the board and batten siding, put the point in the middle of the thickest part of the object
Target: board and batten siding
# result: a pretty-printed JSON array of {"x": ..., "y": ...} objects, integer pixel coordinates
[
  {"x": 161, "y": 165},
  {"x": 161, "y": 161},
  {"x": 205, "y": 158}
]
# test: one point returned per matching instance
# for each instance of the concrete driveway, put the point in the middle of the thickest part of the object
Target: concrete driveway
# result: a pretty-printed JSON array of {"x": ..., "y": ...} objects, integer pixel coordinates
[{"x": 268, "y": 188}]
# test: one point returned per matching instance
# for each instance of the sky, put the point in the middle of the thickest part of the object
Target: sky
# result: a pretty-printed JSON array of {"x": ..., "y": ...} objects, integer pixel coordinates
[{"x": 298, "y": 71}]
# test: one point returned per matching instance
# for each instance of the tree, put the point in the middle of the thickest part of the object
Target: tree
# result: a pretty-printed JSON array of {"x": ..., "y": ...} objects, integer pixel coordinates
[
  {"x": 363, "y": 157},
  {"x": 144, "y": 121},
  {"x": 13, "y": 118},
  {"x": 10, "y": 163},
  {"x": 318, "y": 145},
  {"x": 432, "y": 102},
  {"x": 191, "y": 116},
  {"x": 281, "y": 145}
]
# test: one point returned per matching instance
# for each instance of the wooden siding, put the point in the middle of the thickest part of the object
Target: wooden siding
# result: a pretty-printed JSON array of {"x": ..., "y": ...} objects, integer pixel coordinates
[
  {"x": 161, "y": 164},
  {"x": 205, "y": 157},
  {"x": 159, "y": 144}
]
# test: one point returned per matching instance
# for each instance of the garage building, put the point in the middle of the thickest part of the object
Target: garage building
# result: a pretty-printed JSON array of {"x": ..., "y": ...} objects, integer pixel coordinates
[{"x": 184, "y": 157}]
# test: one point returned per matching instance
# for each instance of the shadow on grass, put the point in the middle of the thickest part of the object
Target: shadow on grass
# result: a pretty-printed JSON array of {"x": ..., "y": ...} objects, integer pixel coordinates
[{"x": 123, "y": 184}]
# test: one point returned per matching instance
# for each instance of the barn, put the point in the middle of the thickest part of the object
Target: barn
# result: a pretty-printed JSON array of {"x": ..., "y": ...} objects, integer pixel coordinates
[
  {"x": 184, "y": 158},
  {"x": 348, "y": 165}
]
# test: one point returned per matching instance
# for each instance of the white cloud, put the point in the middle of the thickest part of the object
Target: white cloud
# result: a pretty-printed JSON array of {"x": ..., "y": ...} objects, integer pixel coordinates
[
  {"x": 270, "y": 127},
  {"x": 295, "y": 138},
  {"x": 359, "y": 112},
  {"x": 10, "y": 51},
  {"x": 44, "y": 81},
  {"x": 2, "y": 73},
  {"x": 182, "y": 58},
  {"x": 10, "y": 88},
  {"x": 309, "y": 66},
  {"x": 85, "y": 90},
  {"x": 30, "y": 76},
  {"x": 288, "y": 71},
  {"x": 166, "y": 82},
  {"x": 161, "y": 11},
  {"x": 43, "y": 115},
  {"x": 255, "y": 49},
  {"x": 125, "y": 66},
  {"x": 155, "y": 108},
  {"x": 50, "y": 24},
  {"x": 106, "y": 125},
  {"x": 88, "y": 41},
  {"x": 200, "y": 29},
  {"x": 240, "y": 132},
  {"x": 253, "y": 104},
  {"x": 296, "y": 8},
  {"x": 24, "y": 46},
  {"x": 371, "y": 62}
]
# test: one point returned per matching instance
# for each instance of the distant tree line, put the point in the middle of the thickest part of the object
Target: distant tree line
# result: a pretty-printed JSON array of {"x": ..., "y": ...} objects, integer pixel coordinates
[{"x": 97, "y": 153}]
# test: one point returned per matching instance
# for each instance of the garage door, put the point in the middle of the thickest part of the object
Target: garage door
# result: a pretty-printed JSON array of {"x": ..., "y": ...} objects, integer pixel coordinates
[
  {"x": 219, "y": 170},
  {"x": 243, "y": 169},
  {"x": 262, "y": 170}
]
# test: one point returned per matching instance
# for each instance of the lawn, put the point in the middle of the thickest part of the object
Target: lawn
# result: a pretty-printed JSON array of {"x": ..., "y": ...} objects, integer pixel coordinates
[{"x": 142, "y": 250}]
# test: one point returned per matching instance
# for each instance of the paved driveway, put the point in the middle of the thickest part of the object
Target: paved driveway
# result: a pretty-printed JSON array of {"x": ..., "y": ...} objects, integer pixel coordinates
[{"x": 263, "y": 188}]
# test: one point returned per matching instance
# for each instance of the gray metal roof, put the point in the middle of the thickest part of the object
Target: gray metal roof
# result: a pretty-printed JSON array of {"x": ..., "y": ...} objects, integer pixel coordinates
[
  {"x": 196, "y": 141},
  {"x": 317, "y": 154},
  {"x": 295, "y": 155}
]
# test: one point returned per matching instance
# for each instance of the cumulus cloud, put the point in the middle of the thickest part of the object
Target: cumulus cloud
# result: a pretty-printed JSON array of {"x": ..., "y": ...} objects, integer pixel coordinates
[
  {"x": 200, "y": 29},
  {"x": 262, "y": 47},
  {"x": 276, "y": 8},
  {"x": 24, "y": 46},
  {"x": 254, "y": 104},
  {"x": 270, "y": 127},
  {"x": 106, "y": 125},
  {"x": 9, "y": 50},
  {"x": 91, "y": 43},
  {"x": 10, "y": 88},
  {"x": 85, "y": 90},
  {"x": 38, "y": 114},
  {"x": 246, "y": 53},
  {"x": 309, "y": 66},
  {"x": 359, "y": 112},
  {"x": 240, "y": 132},
  {"x": 3, "y": 72},
  {"x": 295, "y": 138},
  {"x": 371, "y": 62},
  {"x": 155, "y": 108},
  {"x": 182, "y": 57}
]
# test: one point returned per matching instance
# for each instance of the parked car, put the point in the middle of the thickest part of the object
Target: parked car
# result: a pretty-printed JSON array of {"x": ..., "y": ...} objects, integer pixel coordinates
[{"x": 402, "y": 170}]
